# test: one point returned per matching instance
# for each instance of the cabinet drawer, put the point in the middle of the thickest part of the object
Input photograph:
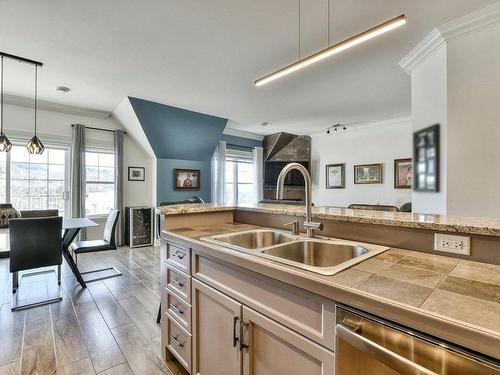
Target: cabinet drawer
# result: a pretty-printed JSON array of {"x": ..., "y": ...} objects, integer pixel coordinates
[
  {"x": 178, "y": 342},
  {"x": 177, "y": 308},
  {"x": 178, "y": 256},
  {"x": 311, "y": 315},
  {"x": 179, "y": 283}
]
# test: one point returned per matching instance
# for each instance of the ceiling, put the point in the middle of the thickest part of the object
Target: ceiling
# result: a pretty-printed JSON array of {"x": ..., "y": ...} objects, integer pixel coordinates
[{"x": 205, "y": 55}]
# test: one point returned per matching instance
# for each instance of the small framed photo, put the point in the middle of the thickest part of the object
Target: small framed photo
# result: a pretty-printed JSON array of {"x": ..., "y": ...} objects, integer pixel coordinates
[
  {"x": 136, "y": 173},
  {"x": 186, "y": 179},
  {"x": 426, "y": 151},
  {"x": 403, "y": 173},
  {"x": 335, "y": 176},
  {"x": 368, "y": 174}
]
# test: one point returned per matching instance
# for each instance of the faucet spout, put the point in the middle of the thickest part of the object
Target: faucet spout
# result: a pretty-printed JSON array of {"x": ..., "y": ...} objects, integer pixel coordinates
[{"x": 280, "y": 190}]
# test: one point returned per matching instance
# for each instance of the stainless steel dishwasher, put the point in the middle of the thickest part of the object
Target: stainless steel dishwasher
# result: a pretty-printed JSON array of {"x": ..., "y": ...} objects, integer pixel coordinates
[{"x": 366, "y": 345}]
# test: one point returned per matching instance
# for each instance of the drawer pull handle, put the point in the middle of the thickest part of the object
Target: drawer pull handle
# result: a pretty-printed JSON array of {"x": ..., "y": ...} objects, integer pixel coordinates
[
  {"x": 175, "y": 281},
  {"x": 176, "y": 309},
  {"x": 176, "y": 340},
  {"x": 179, "y": 255}
]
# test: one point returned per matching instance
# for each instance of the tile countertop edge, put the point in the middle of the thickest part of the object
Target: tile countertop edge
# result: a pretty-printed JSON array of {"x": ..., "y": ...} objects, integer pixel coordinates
[
  {"x": 455, "y": 224},
  {"x": 461, "y": 333}
]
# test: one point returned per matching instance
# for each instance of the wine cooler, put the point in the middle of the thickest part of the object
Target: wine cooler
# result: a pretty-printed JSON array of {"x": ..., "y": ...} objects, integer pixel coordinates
[{"x": 139, "y": 226}]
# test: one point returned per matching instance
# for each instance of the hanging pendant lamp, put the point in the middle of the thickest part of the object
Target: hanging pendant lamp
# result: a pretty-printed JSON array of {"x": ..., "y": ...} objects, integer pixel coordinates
[
  {"x": 5, "y": 144},
  {"x": 35, "y": 146}
]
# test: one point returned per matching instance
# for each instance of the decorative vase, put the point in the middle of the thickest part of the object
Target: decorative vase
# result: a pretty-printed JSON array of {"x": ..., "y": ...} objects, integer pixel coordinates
[{"x": 7, "y": 212}]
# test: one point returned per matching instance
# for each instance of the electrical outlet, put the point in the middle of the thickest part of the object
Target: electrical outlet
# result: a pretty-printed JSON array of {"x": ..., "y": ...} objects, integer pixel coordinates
[{"x": 452, "y": 244}]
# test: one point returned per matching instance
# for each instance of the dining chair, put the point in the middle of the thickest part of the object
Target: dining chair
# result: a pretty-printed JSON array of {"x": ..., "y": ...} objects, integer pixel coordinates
[
  {"x": 107, "y": 243},
  {"x": 39, "y": 213},
  {"x": 34, "y": 243}
]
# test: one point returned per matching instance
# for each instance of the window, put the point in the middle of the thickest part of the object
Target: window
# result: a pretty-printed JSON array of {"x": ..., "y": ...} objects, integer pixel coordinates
[
  {"x": 239, "y": 179},
  {"x": 37, "y": 182},
  {"x": 100, "y": 182}
]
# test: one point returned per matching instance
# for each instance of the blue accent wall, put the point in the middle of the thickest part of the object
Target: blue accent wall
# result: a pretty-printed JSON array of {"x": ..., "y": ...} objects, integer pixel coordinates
[
  {"x": 176, "y": 133},
  {"x": 165, "y": 180},
  {"x": 183, "y": 139}
]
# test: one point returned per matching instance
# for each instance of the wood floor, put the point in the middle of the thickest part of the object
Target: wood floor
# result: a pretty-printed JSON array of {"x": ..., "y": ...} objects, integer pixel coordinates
[{"x": 109, "y": 328}]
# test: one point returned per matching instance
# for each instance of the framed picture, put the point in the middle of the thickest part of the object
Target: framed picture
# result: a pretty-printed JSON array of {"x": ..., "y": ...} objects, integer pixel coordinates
[
  {"x": 186, "y": 179},
  {"x": 368, "y": 174},
  {"x": 403, "y": 173},
  {"x": 136, "y": 173},
  {"x": 426, "y": 156},
  {"x": 335, "y": 176}
]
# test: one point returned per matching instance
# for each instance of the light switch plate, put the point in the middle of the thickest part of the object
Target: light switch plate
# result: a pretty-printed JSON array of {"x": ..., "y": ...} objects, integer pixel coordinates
[{"x": 452, "y": 244}]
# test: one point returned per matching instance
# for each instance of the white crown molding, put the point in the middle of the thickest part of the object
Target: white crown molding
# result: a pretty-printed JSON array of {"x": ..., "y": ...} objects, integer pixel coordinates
[
  {"x": 460, "y": 27},
  {"x": 242, "y": 134},
  {"x": 422, "y": 51},
  {"x": 472, "y": 22},
  {"x": 56, "y": 107}
]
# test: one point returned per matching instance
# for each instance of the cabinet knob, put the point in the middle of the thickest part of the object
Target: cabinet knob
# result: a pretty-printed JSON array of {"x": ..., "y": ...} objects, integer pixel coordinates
[{"x": 176, "y": 340}]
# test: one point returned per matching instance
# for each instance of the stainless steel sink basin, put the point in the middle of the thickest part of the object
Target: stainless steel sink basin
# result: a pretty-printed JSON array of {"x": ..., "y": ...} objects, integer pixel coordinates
[
  {"x": 323, "y": 256},
  {"x": 254, "y": 239},
  {"x": 315, "y": 253}
]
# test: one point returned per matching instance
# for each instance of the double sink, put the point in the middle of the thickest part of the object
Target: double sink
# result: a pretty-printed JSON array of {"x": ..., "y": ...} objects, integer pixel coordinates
[{"x": 323, "y": 256}]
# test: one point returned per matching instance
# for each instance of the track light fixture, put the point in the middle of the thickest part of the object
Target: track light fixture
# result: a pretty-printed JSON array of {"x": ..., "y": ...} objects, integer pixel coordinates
[{"x": 335, "y": 128}]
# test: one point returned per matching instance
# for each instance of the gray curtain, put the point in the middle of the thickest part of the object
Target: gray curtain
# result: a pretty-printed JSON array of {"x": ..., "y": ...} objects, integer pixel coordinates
[
  {"x": 78, "y": 174},
  {"x": 120, "y": 228}
]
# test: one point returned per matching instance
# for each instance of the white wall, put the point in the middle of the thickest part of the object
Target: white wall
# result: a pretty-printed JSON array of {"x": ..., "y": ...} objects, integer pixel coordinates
[
  {"x": 375, "y": 143},
  {"x": 429, "y": 107},
  {"x": 474, "y": 124},
  {"x": 456, "y": 83},
  {"x": 56, "y": 126}
]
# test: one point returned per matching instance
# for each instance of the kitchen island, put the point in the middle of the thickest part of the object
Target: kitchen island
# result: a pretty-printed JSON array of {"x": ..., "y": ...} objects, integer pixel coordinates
[{"x": 447, "y": 297}]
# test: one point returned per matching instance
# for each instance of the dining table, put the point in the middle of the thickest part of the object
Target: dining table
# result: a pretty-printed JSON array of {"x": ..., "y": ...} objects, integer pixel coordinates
[{"x": 71, "y": 228}]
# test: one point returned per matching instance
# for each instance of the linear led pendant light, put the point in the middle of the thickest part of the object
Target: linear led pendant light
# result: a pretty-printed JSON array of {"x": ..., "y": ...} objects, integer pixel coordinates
[
  {"x": 5, "y": 144},
  {"x": 334, "y": 49},
  {"x": 35, "y": 146}
]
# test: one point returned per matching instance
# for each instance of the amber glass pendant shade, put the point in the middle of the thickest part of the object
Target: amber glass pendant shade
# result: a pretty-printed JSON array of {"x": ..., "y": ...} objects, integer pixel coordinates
[
  {"x": 5, "y": 144},
  {"x": 35, "y": 146}
]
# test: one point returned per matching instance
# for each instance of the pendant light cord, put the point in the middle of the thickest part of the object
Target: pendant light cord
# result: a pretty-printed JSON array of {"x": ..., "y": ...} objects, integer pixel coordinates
[
  {"x": 329, "y": 24},
  {"x": 300, "y": 55},
  {"x": 36, "y": 91},
  {"x": 1, "y": 101}
]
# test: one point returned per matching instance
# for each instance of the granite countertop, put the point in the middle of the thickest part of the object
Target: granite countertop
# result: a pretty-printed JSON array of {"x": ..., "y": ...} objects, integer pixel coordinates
[
  {"x": 470, "y": 225},
  {"x": 462, "y": 292}
]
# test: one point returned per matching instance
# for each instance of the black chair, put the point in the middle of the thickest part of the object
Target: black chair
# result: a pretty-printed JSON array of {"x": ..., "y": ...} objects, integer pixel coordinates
[
  {"x": 107, "y": 243},
  {"x": 34, "y": 243},
  {"x": 39, "y": 213}
]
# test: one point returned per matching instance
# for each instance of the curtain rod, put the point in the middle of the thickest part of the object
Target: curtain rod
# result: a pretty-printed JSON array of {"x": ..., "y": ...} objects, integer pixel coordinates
[{"x": 99, "y": 129}]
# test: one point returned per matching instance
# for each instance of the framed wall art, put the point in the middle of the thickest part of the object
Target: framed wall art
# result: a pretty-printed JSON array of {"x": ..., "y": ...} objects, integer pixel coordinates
[
  {"x": 186, "y": 179},
  {"x": 335, "y": 176},
  {"x": 368, "y": 174},
  {"x": 426, "y": 155},
  {"x": 403, "y": 173},
  {"x": 136, "y": 173}
]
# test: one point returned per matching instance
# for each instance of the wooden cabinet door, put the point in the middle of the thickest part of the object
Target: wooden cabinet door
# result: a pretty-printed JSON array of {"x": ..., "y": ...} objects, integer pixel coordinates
[
  {"x": 215, "y": 323},
  {"x": 276, "y": 350}
]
